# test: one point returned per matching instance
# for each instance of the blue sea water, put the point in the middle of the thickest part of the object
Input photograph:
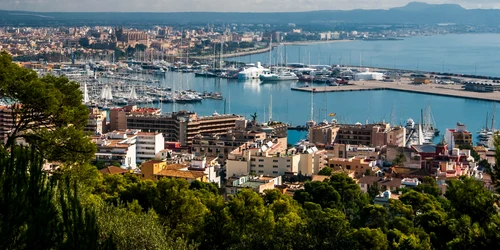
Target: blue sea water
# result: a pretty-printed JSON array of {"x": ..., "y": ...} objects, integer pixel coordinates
[
  {"x": 460, "y": 53},
  {"x": 456, "y": 53}
]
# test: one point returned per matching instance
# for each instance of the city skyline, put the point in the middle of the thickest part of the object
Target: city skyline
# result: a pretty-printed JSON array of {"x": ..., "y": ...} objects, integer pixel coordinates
[{"x": 222, "y": 5}]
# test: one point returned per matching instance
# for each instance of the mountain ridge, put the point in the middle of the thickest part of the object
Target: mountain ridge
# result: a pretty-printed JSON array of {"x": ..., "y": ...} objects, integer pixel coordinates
[{"x": 417, "y": 13}]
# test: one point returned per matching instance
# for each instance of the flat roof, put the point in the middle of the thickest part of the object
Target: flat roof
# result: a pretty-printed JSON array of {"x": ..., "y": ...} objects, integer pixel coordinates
[{"x": 426, "y": 148}]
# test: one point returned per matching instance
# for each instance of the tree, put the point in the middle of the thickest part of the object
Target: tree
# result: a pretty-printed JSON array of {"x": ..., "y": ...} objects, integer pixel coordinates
[
  {"x": 41, "y": 213},
  {"x": 321, "y": 193},
  {"x": 374, "y": 216},
  {"x": 135, "y": 231},
  {"x": 399, "y": 160},
  {"x": 373, "y": 239},
  {"x": 495, "y": 176},
  {"x": 326, "y": 171},
  {"x": 250, "y": 220},
  {"x": 374, "y": 190},
  {"x": 47, "y": 113},
  {"x": 428, "y": 186},
  {"x": 469, "y": 197}
]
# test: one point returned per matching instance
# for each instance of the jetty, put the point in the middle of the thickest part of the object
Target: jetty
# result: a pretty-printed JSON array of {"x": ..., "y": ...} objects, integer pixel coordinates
[{"x": 452, "y": 90}]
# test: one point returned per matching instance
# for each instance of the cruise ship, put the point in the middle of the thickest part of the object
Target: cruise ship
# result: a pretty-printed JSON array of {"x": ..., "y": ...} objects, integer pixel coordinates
[{"x": 252, "y": 72}]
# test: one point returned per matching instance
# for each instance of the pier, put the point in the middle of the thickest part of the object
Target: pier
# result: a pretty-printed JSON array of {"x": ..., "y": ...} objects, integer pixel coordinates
[{"x": 452, "y": 90}]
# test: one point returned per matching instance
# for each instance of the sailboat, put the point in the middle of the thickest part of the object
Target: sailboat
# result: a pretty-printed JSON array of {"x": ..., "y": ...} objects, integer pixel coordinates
[{"x": 429, "y": 127}]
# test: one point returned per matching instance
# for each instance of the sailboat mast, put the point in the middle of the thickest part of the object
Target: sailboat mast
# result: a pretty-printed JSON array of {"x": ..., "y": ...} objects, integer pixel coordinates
[
  {"x": 312, "y": 106},
  {"x": 487, "y": 120},
  {"x": 493, "y": 117},
  {"x": 270, "y": 51},
  {"x": 271, "y": 109}
]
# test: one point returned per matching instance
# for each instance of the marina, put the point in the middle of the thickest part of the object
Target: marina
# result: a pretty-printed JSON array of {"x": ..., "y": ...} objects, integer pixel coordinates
[{"x": 213, "y": 86}]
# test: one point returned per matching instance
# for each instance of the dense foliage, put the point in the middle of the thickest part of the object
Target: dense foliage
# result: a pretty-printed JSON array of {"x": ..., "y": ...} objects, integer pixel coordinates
[{"x": 78, "y": 208}]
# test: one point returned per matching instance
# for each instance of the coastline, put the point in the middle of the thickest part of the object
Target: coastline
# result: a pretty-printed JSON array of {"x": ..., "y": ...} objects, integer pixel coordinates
[{"x": 266, "y": 49}]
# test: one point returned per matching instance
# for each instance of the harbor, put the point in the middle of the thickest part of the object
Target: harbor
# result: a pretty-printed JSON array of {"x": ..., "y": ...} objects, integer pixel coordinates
[{"x": 451, "y": 90}]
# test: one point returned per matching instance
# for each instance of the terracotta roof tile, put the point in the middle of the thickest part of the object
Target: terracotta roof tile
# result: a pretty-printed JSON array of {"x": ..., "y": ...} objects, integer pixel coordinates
[{"x": 113, "y": 170}]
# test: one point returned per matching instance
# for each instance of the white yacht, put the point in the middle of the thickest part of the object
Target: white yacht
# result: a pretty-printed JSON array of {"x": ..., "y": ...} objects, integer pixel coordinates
[
  {"x": 252, "y": 72},
  {"x": 280, "y": 76}
]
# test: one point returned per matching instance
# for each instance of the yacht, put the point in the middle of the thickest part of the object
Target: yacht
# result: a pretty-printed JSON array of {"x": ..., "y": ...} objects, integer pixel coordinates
[
  {"x": 280, "y": 76},
  {"x": 252, "y": 72}
]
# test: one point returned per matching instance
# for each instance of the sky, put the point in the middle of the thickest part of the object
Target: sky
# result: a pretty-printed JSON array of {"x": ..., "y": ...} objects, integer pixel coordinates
[{"x": 220, "y": 5}]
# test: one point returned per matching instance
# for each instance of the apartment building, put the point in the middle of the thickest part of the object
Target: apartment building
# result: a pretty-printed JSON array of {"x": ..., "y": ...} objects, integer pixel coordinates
[
  {"x": 375, "y": 135},
  {"x": 359, "y": 165},
  {"x": 323, "y": 134},
  {"x": 118, "y": 116},
  {"x": 197, "y": 170},
  {"x": 220, "y": 145},
  {"x": 117, "y": 146},
  {"x": 263, "y": 158},
  {"x": 459, "y": 136},
  {"x": 7, "y": 121},
  {"x": 181, "y": 126},
  {"x": 148, "y": 145},
  {"x": 96, "y": 122}
]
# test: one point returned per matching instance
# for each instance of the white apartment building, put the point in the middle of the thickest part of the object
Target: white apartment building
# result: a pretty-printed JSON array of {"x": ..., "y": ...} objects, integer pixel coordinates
[
  {"x": 200, "y": 164},
  {"x": 117, "y": 147},
  {"x": 148, "y": 145}
]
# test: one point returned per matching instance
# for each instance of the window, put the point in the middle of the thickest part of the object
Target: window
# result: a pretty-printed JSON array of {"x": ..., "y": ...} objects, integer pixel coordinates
[
  {"x": 261, "y": 160},
  {"x": 287, "y": 160},
  {"x": 261, "y": 166},
  {"x": 288, "y": 166},
  {"x": 142, "y": 175},
  {"x": 252, "y": 166},
  {"x": 275, "y": 160},
  {"x": 275, "y": 172},
  {"x": 261, "y": 172},
  {"x": 348, "y": 166},
  {"x": 252, "y": 159},
  {"x": 362, "y": 185},
  {"x": 275, "y": 166}
]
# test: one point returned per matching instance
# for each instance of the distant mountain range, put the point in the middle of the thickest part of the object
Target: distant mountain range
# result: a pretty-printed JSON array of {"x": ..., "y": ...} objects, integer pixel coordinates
[{"x": 413, "y": 13}]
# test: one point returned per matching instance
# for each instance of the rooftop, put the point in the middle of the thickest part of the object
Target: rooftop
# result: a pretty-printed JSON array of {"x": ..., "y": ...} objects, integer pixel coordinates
[
  {"x": 187, "y": 174},
  {"x": 113, "y": 170},
  {"x": 426, "y": 148}
]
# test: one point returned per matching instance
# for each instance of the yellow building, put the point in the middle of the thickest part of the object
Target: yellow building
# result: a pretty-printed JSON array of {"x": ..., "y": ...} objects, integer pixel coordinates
[
  {"x": 358, "y": 165},
  {"x": 155, "y": 170}
]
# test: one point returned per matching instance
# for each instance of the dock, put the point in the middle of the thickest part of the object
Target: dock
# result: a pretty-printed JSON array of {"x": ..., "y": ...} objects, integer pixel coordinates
[{"x": 450, "y": 90}]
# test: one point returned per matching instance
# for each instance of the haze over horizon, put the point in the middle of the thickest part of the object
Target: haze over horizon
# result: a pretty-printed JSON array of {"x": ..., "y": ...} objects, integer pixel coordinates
[{"x": 222, "y": 5}]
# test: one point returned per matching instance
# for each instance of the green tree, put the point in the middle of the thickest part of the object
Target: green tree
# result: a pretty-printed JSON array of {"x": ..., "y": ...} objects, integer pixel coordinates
[
  {"x": 130, "y": 230},
  {"x": 38, "y": 212},
  {"x": 326, "y": 171},
  {"x": 428, "y": 186},
  {"x": 469, "y": 197},
  {"x": 251, "y": 221},
  {"x": 495, "y": 175},
  {"x": 179, "y": 208},
  {"x": 399, "y": 160},
  {"x": 365, "y": 238},
  {"x": 375, "y": 216},
  {"x": 47, "y": 113},
  {"x": 324, "y": 229},
  {"x": 321, "y": 193}
]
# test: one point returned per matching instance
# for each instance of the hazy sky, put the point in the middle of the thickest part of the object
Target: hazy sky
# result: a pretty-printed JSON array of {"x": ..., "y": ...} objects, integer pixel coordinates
[{"x": 221, "y": 5}]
